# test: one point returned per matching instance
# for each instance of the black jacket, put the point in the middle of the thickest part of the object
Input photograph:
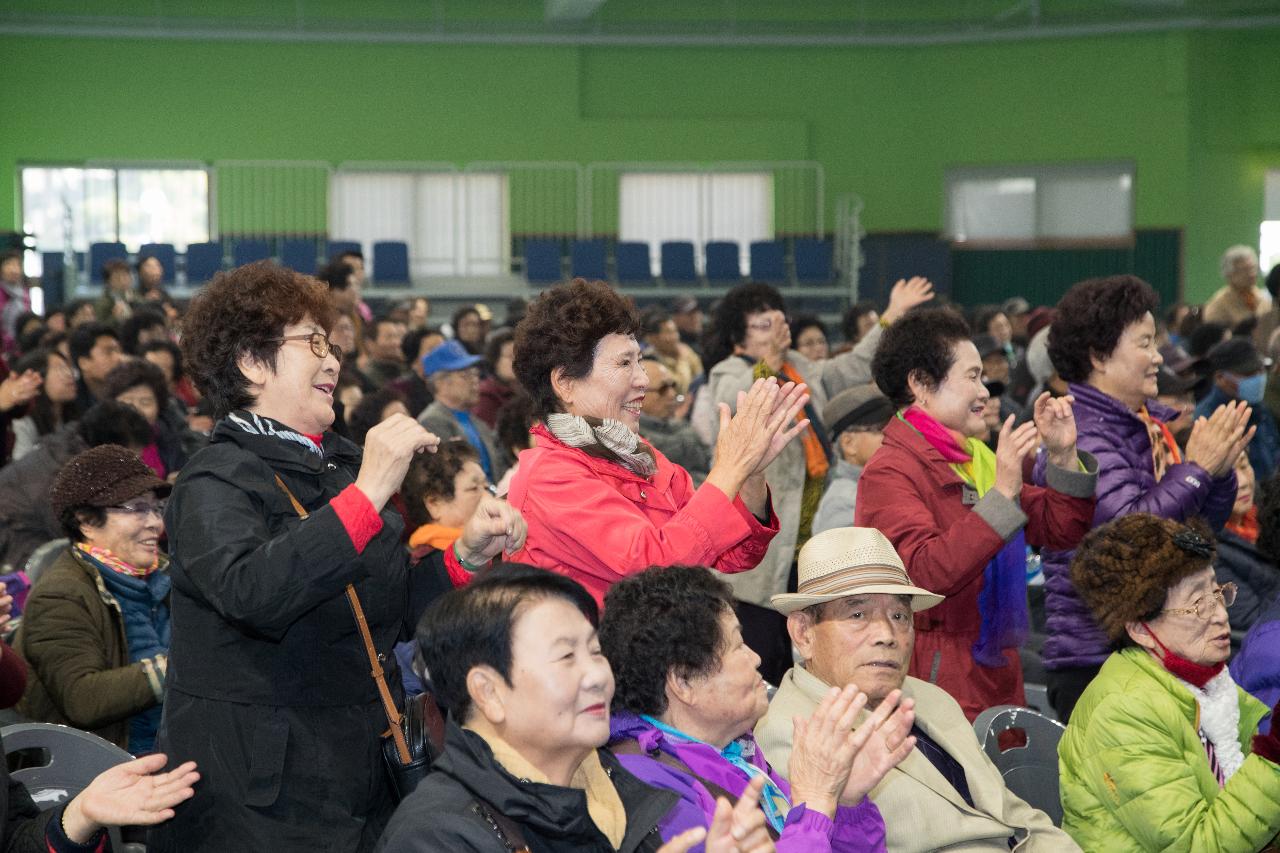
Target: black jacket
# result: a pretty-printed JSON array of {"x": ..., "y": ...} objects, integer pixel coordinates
[
  {"x": 1257, "y": 578},
  {"x": 26, "y": 516},
  {"x": 440, "y": 816},
  {"x": 268, "y": 685}
]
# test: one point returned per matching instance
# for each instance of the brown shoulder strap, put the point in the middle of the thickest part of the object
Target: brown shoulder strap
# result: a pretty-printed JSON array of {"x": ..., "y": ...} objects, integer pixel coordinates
[
  {"x": 375, "y": 660},
  {"x": 507, "y": 830}
]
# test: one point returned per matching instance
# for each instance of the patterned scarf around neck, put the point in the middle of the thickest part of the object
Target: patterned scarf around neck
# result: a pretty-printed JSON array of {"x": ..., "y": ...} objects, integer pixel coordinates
[
  {"x": 604, "y": 439},
  {"x": 1002, "y": 601},
  {"x": 111, "y": 561},
  {"x": 259, "y": 425}
]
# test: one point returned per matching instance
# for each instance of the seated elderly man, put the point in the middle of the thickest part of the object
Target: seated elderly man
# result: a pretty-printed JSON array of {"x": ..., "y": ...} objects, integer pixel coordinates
[{"x": 851, "y": 623}]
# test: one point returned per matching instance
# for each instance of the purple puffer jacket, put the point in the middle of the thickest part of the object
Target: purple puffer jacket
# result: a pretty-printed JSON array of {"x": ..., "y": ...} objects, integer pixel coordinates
[
  {"x": 1126, "y": 484},
  {"x": 856, "y": 828}
]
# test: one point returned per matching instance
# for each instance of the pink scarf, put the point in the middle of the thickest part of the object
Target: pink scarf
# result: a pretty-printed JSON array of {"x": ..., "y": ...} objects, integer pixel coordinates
[{"x": 936, "y": 434}]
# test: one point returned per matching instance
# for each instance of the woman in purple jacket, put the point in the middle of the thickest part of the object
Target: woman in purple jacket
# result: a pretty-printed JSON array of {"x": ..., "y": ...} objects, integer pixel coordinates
[
  {"x": 687, "y": 696},
  {"x": 1103, "y": 343}
]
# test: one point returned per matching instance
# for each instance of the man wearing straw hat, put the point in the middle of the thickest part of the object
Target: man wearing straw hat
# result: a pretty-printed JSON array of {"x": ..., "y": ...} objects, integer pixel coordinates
[{"x": 851, "y": 623}]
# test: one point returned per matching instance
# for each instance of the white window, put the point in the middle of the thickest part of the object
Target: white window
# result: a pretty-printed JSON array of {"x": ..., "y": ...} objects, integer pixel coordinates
[
  {"x": 697, "y": 207},
  {"x": 1023, "y": 204},
  {"x": 1269, "y": 238},
  {"x": 77, "y": 206},
  {"x": 453, "y": 224}
]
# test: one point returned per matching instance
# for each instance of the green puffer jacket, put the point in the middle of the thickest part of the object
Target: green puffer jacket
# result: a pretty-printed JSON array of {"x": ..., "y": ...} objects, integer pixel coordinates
[{"x": 1134, "y": 775}]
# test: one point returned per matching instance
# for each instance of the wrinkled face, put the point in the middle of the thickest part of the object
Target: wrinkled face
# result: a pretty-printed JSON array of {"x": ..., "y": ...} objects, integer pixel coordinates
[
  {"x": 667, "y": 339},
  {"x": 150, "y": 273},
  {"x": 861, "y": 639},
  {"x": 1245, "y": 484},
  {"x": 960, "y": 398},
  {"x": 131, "y": 531},
  {"x": 1130, "y": 373},
  {"x": 162, "y": 359},
  {"x": 299, "y": 392},
  {"x": 504, "y": 368},
  {"x": 812, "y": 344},
  {"x": 59, "y": 381},
  {"x": 1244, "y": 273},
  {"x": 457, "y": 389},
  {"x": 143, "y": 399},
  {"x": 616, "y": 386},
  {"x": 660, "y": 398},
  {"x": 104, "y": 356},
  {"x": 468, "y": 488},
  {"x": 767, "y": 333},
  {"x": 386, "y": 346},
  {"x": 561, "y": 684},
  {"x": 734, "y": 696},
  {"x": 1000, "y": 328},
  {"x": 1204, "y": 639}
]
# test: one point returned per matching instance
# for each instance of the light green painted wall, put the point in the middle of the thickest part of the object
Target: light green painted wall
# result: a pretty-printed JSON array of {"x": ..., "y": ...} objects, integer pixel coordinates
[{"x": 1192, "y": 111}]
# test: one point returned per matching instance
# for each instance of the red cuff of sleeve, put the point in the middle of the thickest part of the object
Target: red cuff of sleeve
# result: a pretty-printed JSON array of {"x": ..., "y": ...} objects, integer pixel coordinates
[
  {"x": 459, "y": 575},
  {"x": 1267, "y": 746},
  {"x": 357, "y": 515},
  {"x": 756, "y": 525}
]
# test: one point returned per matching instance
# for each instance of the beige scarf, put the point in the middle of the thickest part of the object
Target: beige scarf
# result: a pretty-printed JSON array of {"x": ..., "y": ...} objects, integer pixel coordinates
[
  {"x": 603, "y": 803},
  {"x": 604, "y": 439}
]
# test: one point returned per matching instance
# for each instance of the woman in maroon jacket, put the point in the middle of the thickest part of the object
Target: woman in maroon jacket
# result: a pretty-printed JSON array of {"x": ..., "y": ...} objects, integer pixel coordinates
[{"x": 959, "y": 513}]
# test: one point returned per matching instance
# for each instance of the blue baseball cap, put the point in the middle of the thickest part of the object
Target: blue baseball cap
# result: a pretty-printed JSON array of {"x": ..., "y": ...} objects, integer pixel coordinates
[{"x": 450, "y": 355}]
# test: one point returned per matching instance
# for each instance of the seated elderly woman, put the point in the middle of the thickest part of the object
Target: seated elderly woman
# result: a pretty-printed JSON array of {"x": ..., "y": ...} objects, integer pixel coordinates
[
  {"x": 1103, "y": 343},
  {"x": 958, "y": 513},
  {"x": 1163, "y": 751},
  {"x": 689, "y": 694},
  {"x": 96, "y": 625},
  {"x": 600, "y": 502},
  {"x": 515, "y": 660}
]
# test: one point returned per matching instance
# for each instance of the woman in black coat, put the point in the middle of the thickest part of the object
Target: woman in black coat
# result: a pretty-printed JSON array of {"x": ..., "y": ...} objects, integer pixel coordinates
[{"x": 269, "y": 686}]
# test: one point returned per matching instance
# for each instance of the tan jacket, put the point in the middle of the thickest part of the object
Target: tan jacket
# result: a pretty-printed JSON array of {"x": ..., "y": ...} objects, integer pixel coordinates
[
  {"x": 922, "y": 811},
  {"x": 1227, "y": 308}
]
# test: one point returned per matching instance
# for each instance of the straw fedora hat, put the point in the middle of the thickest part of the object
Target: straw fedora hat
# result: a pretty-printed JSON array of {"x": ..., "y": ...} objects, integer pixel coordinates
[{"x": 850, "y": 561}]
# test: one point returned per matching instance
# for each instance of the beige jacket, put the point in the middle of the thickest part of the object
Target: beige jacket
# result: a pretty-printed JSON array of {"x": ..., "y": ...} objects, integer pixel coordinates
[
  {"x": 922, "y": 811},
  {"x": 1228, "y": 309}
]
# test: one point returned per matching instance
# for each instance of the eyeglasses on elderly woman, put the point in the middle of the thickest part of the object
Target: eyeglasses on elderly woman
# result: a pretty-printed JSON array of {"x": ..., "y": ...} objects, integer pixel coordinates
[
  {"x": 1202, "y": 608},
  {"x": 319, "y": 341}
]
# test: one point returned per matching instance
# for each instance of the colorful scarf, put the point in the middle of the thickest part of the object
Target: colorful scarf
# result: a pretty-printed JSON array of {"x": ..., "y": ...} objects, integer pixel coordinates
[
  {"x": 1164, "y": 449},
  {"x": 111, "y": 561},
  {"x": 259, "y": 425},
  {"x": 1002, "y": 602},
  {"x": 604, "y": 439},
  {"x": 1245, "y": 525}
]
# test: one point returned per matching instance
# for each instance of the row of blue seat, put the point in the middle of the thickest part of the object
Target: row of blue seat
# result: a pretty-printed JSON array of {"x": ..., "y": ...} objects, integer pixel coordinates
[
  {"x": 202, "y": 260},
  {"x": 811, "y": 262}
]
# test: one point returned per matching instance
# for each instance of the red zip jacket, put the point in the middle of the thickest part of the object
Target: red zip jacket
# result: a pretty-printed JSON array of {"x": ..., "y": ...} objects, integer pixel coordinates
[{"x": 597, "y": 522}]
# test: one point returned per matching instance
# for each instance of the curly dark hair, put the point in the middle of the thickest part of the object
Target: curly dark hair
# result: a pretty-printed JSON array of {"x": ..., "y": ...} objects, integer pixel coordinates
[
  {"x": 472, "y": 626},
  {"x": 920, "y": 345},
  {"x": 241, "y": 312},
  {"x": 142, "y": 320},
  {"x": 807, "y": 321},
  {"x": 367, "y": 414},
  {"x": 514, "y": 420},
  {"x": 561, "y": 330},
  {"x": 432, "y": 476},
  {"x": 134, "y": 372},
  {"x": 175, "y": 353},
  {"x": 665, "y": 619},
  {"x": 1124, "y": 569},
  {"x": 728, "y": 326},
  {"x": 1090, "y": 318}
]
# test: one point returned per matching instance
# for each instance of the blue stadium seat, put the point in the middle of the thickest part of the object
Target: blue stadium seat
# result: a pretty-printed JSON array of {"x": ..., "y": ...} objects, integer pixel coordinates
[
  {"x": 247, "y": 251},
  {"x": 677, "y": 262},
  {"x": 632, "y": 263},
  {"x": 337, "y": 246},
  {"x": 390, "y": 263},
  {"x": 100, "y": 253},
  {"x": 542, "y": 261},
  {"x": 586, "y": 260},
  {"x": 813, "y": 261},
  {"x": 203, "y": 261},
  {"x": 165, "y": 254},
  {"x": 299, "y": 254},
  {"x": 767, "y": 262},
  {"x": 724, "y": 261},
  {"x": 51, "y": 279}
]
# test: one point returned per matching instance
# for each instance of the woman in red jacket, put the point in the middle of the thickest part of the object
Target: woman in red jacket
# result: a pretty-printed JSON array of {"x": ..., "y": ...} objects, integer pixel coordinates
[
  {"x": 601, "y": 503},
  {"x": 959, "y": 513}
]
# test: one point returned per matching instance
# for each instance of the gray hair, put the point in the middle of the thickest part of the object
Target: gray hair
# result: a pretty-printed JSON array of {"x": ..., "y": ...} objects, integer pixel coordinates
[{"x": 1238, "y": 252}]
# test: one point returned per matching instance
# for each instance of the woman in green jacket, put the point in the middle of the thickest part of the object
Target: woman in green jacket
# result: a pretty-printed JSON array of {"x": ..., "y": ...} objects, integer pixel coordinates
[{"x": 1163, "y": 751}]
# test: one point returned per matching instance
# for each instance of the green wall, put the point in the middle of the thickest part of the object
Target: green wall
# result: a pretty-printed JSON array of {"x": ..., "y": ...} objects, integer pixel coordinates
[{"x": 1193, "y": 111}]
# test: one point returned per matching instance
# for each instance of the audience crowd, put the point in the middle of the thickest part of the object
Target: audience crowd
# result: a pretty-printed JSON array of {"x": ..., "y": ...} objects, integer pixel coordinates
[{"x": 711, "y": 576}]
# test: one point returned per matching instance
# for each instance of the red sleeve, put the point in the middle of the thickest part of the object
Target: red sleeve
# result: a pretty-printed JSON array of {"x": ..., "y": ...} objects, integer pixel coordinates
[
  {"x": 357, "y": 515},
  {"x": 459, "y": 575},
  {"x": 1055, "y": 520},
  {"x": 13, "y": 676}
]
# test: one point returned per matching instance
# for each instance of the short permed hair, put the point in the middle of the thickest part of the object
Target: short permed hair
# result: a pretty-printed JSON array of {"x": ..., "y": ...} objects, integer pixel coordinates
[
  {"x": 175, "y": 353},
  {"x": 1090, "y": 318},
  {"x": 434, "y": 474},
  {"x": 134, "y": 372},
  {"x": 729, "y": 319},
  {"x": 243, "y": 312},
  {"x": 367, "y": 413},
  {"x": 920, "y": 345},
  {"x": 664, "y": 620},
  {"x": 473, "y": 625},
  {"x": 84, "y": 338},
  {"x": 1124, "y": 569},
  {"x": 561, "y": 330}
]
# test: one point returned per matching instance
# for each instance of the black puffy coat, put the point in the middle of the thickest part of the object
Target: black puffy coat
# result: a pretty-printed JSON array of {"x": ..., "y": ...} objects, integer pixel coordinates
[
  {"x": 268, "y": 687},
  {"x": 440, "y": 816}
]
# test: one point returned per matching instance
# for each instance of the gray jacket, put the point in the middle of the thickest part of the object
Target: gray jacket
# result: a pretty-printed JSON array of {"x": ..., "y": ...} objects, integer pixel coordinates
[
  {"x": 439, "y": 419},
  {"x": 836, "y": 507},
  {"x": 786, "y": 475}
]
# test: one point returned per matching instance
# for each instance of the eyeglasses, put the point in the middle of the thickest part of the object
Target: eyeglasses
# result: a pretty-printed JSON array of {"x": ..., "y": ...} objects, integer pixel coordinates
[
  {"x": 320, "y": 345},
  {"x": 1202, "y": 607},
  {"x": 768, "y": 324},
  {"x": 142, "y": 508}
]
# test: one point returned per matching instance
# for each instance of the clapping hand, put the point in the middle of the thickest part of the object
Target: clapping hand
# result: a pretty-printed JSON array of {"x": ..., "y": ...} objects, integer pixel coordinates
[
  {"x": 19, "y": 389},
  {"x": 823, "y": 749},
  {"x": 754, "y": 436},
  {"x": 886, "y": 740},
  {"x": 1013, "y": 447},
  {"x": 1217, "y": 441},
  {"x": 1056, "y": 422},
  {"x": 738, "y": 828}
]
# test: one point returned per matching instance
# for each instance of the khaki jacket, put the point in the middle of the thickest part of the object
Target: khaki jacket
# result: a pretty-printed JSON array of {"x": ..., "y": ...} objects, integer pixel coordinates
[{"x": 922, "y": 811}]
